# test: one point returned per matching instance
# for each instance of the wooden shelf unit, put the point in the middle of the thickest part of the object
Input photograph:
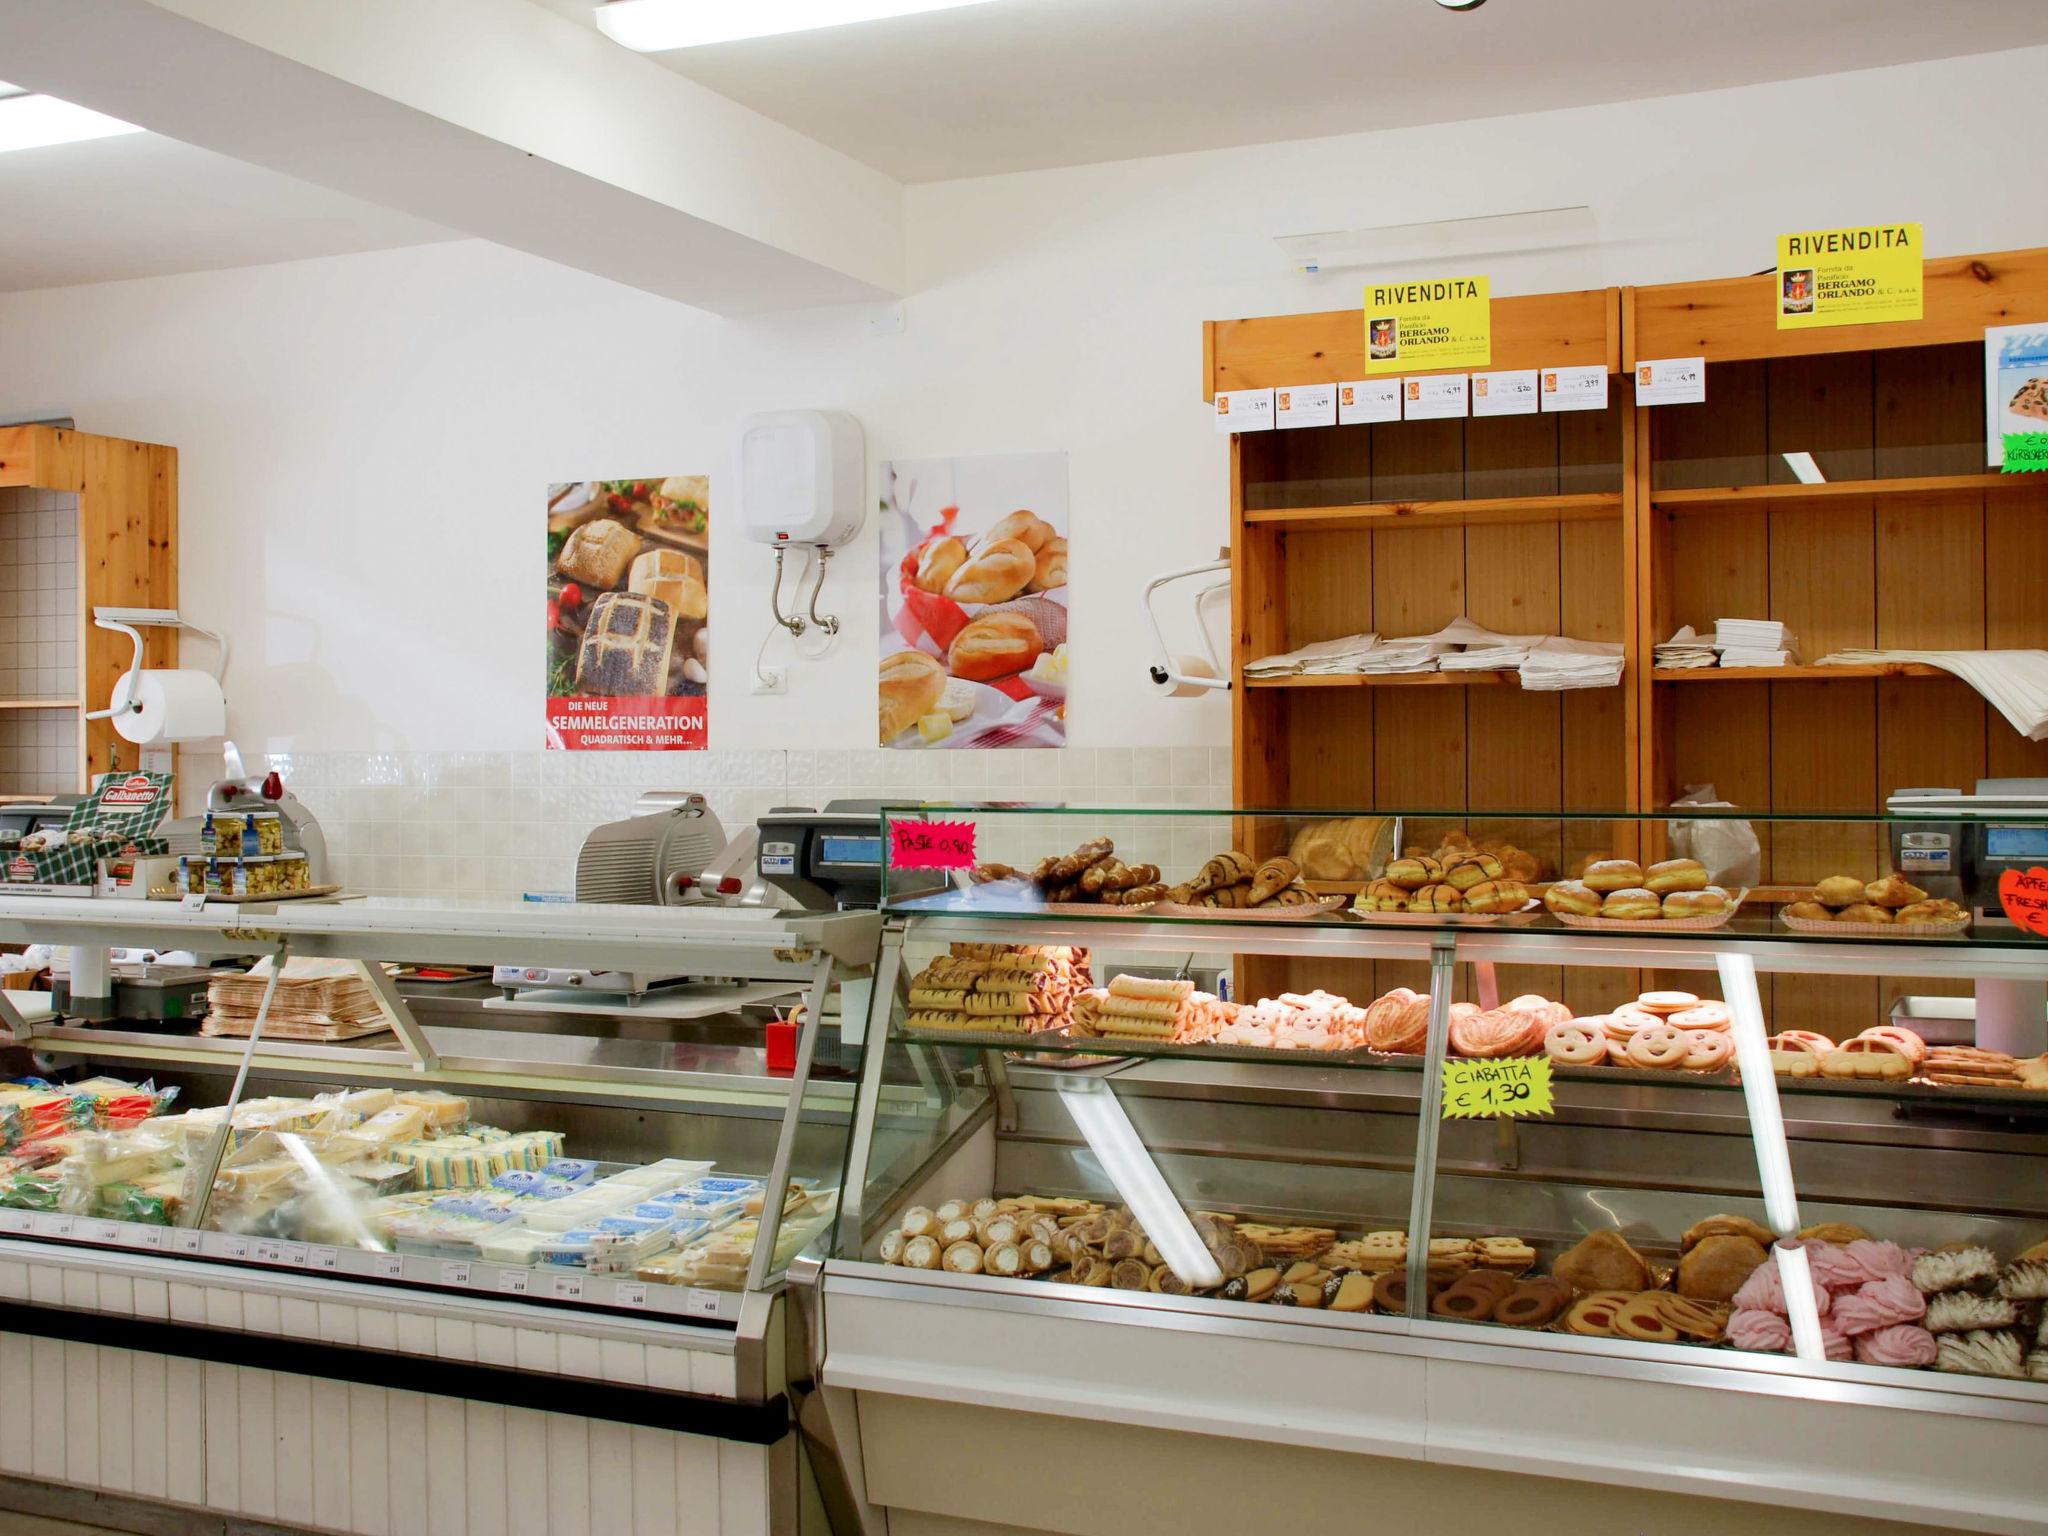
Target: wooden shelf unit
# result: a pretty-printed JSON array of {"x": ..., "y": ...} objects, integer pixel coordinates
[
  {"x": 1621, "y": 526},
  {"x": 126, "y": 496}
]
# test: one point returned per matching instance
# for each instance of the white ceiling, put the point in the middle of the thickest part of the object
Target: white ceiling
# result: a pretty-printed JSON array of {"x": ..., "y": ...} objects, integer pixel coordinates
[
  {"x": 1025, "y": 84},
  {"x": 147, "y": 206}
]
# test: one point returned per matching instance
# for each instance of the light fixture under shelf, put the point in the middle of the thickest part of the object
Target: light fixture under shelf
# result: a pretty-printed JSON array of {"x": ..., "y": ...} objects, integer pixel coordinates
[
  {"x": 656, "y": 26},
  {"x": 30, "y": 120},
  {"x": 1441, "y": 240}
]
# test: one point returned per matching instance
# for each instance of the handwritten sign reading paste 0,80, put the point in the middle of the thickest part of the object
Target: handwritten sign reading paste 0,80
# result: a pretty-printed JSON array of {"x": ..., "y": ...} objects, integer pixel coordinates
[
  {"x": 931, "y": 845},
  {"x": 1516, "y": 1085}
]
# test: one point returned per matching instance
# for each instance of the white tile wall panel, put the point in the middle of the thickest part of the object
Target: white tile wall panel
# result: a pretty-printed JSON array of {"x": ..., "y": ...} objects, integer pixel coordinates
[
  {"x": 17, "y": 1408},
  {"x": 568, "y": 1476},
  {"x": 369, "y": 1463},
  {"x": 116, "y": 1414},
  {"x": 257, "y": 1443},
  {"x": 406, "y": 1445}
]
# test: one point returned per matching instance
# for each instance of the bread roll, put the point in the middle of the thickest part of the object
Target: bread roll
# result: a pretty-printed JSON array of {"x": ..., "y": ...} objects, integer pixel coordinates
[
  {"x": 1839, "y": 891},
  {"x": 1027, "y": 528},
  {"x": 674, "y": 577},
  {"x": 1893, "y": 891},
  {"x": 1865, "y": 912},
  {"x": 1811, "y": 911},
  {"x": 995, "y": 645},
  {"x": 627, "y": 642},
  {"x": 1052, "y": 567},
  {"x": 597, "y": 553},
  {"x": 941, "y": 558},
  {"x": 911, "y": 685},
  {"x": 997, "y": 572}
]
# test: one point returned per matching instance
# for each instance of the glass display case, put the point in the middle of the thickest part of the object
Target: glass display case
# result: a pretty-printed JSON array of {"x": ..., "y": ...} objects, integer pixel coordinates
[{"x": 1584, "y": 1091}]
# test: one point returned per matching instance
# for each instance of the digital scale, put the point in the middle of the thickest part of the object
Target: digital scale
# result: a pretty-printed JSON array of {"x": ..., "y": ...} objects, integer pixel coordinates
[
  {"x": 1957, "y": 844},
  {"x": 833, "y": 859}
]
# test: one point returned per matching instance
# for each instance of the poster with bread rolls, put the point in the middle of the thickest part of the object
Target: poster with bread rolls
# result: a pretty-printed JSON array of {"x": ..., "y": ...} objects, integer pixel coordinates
[
  {"x": 628, "y": 582},
  {"x": 974, "y": 602}
]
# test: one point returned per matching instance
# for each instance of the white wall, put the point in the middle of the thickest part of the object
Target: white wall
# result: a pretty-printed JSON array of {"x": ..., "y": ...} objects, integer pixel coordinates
[{"x": 364, "y": 441}]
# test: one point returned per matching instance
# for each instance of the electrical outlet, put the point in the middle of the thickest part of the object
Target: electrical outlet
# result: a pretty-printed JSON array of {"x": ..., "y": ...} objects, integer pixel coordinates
[{"x": 771, "y": 680}]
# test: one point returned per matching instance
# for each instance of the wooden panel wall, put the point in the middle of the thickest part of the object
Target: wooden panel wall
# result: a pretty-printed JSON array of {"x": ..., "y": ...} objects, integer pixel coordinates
[{"x": 128, "y": 558}]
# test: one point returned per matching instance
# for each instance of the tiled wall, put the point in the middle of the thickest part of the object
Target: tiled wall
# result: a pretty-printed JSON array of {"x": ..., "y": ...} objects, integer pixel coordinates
[
  {"x": 38, "y": 639},
  {"x": 500, "y": 823}
]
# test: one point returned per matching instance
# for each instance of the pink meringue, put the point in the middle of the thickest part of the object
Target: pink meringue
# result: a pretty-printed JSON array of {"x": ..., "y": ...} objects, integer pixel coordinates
[
  {"x": 1833, "y": 1267},
  {"x": 1765, "y": 1290},
  {"x": 1877, "y": 1259},
  {"x": 1760, "y": 1332},
  {"x": 1879, "y": 1304},
  {"x": 1902, "y": 1344},
  {"x": 1834, "y": 1341}
]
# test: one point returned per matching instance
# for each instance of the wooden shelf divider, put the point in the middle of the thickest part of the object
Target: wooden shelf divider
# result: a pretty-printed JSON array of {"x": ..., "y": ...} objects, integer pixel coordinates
[
  {"x": 1798, "y": 674},
  {"x": 1710, "y": 498},
  {"x": 1476, "y": 511}
]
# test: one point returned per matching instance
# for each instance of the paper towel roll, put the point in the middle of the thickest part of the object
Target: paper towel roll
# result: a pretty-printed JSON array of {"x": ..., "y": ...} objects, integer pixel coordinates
[
  {"x": 1185, "y": 666},
  {"x": 180, "y": 705}
]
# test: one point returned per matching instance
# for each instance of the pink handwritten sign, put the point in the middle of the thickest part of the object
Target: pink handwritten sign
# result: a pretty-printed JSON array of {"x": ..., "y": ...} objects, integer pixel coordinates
[{"x": 931, "y": 845}]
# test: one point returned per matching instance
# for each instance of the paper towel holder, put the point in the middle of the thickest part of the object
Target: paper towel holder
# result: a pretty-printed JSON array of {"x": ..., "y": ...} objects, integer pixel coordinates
[
  {"x": 1165, "y": 670},
  {"x": 131, "y": 622}
]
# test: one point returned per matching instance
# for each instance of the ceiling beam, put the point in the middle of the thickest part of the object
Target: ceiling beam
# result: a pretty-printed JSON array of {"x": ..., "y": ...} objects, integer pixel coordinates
[{"x": 496, "y": 118}]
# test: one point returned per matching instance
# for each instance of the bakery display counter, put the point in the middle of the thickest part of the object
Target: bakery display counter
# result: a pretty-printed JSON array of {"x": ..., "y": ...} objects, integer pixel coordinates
[
  {"x": 1299, "y": 1221},
  {"x": 590, "y": 1231}
]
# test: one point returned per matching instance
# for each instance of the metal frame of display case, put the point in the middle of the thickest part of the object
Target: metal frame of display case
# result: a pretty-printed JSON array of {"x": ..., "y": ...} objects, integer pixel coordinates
[{"x": 1023, "y": 1316}]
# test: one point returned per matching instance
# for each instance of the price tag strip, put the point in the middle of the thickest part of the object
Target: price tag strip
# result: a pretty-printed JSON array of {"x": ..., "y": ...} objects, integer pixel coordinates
[{"x": 1513, "y": 1086}]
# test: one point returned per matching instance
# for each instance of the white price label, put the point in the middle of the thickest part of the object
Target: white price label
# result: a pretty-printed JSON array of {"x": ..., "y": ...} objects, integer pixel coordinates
[
  {"x": 188, "y": 1242},
  {"x": 1580, "y": 387},
  {"x": 269, "y": 1253},
  {"x": 60, "y": 1226},
  {"x": 155, "y": 1237},
  {"x": 569, "y": 1286},
  {"x": 106, "y": 1232},
  {"x": 327, "y": 1258},
  {"x": 1244, "y": 410},
  {"x": 193, "y": 901},
  {"x": 631, "y": 1295},
  {"x": 1305, "y": 405},
  {"x": 512, "y": 1281},
  {"x": 390, "y": 1266},
  {"x": 700, "y": 1303},
  {"x": 296, "y": 1254},
  {"x": 13, "y": 1221},
  {"x": 235, "y": 1247},
  {"x": 1511, "y": 393},
  {"x": 1368, "y": 400},
  {"x": 455, "y": 1274},
  {"x": 1671, "y": 381}
]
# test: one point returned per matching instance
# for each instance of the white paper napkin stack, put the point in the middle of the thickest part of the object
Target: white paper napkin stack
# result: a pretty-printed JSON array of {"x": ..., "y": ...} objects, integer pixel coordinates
[
  {"x": 1559, "y": 662},
  {"x": 2015, "y": 683},
  {"x": 1687, "y": 648},
  {"x": 1754, "y": 643},
  {"x": 1325, "y": 656}
]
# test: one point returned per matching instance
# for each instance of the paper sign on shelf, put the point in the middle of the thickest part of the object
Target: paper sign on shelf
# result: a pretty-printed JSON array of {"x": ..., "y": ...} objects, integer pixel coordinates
[
  {"x": 1514, "y": 1085},
  {"x": 1244, "y": 410},
  {"x": 1504, "y": 394},
  {"x": 2016, "y": 397},
  {"x": 2025, "y": 899},
  {"x": 1582, "y": 387},
  {"x": 1860, "y": 276},
  {"x": 1305, "y": 405},
  {"x": 1434, "y": 397},
  {"x": 1671, "y": 381},
  {"x": 1368, "y": 400},
  {"x": 931, "y": 845},
  {"x": 1442, "y": 322}
]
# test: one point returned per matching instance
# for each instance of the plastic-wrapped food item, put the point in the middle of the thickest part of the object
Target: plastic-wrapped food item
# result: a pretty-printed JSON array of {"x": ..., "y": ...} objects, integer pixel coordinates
[
  {"x": 463, "y": 1162},
  {"x": 669, "y": 1172},
  {"x": 442, "y": 1111},
  {"x": 376, "y": 1176},
  {"x": 447, "y": 1228},
  {"x": 571, "y": 1170},
  {"x": 10, "y": 1126},
  {"x": 512, "y": 1244},
  {"x": 44, "y": 1109},
  {"x": 155, "y": 1207},
  {"x": 37, "y": 1191},
  {"x": 116, "y": 1103},
  {"x": 581, "y": 1209}
]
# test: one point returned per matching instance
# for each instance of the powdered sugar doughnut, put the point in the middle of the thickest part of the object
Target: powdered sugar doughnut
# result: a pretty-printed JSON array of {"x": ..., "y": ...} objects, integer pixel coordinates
[
  {"x": 1657, "y": 1045},
  {"x": 1707, "y": 1050},
  {"x": 1705, "y": 1016},
  {"x": 1575, "y": 1044}
]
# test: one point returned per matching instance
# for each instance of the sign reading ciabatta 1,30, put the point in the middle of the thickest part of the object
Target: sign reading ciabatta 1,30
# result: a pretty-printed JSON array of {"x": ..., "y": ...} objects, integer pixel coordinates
[
  {"x": 1441, "y": 322},
  {"x": 1849, "y": 276}
]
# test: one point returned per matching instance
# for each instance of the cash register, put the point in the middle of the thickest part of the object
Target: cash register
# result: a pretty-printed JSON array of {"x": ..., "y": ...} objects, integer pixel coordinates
[
  {"x": 833, "y": 859},
  {"x": 1957, "y": 843}
]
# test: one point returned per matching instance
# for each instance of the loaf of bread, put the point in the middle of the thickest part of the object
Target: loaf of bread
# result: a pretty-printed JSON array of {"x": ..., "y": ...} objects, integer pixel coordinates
[
  {"x": 1342, "y": 849},
  {"x": 936, "y": 565},
  {"x": 627, "y": 642},
  {"x": 674, "y": 577},
  {"x": 597, "y": 553},
  {"x": 911, "y": 683},
  {"x": 994, "y": 645},
  {"x": 999, "y": 570},
  {"x": 1052, "y": 567},
  {"x": 1028, "y": 528}
]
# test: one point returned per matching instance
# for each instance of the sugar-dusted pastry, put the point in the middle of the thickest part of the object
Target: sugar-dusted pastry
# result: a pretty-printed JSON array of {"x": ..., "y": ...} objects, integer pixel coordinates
[
  {"x": 1715, "y": 1268},
  {"x": 1984, "y": 1352},
  {"x": 1602, "y": 1261},
  {"x": 2025, "y": 1281},
  {"x": 1959, "y": 1311},
  {"x": 1893, "y": 891},
  {"x": 1948, "y": 1269},
  {"x": 1606, "y": 875},
  {"x": 1631, "y": 904},
  {"x": 1675, "y": 875},
  {"x": 1573, "y": 897},
  {"x": 1838, "y": 891},
  {"x": 1710, "y": 902}
]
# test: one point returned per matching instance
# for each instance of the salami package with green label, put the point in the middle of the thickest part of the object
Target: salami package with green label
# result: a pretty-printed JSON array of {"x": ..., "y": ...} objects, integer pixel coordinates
[{"x": 119, "y": 818}]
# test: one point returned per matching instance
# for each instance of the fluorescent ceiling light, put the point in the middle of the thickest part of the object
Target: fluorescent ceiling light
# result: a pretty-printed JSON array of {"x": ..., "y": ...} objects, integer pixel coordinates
[
  {"x": 29, "y": 121},
  {"x": 654, "y": 26}
]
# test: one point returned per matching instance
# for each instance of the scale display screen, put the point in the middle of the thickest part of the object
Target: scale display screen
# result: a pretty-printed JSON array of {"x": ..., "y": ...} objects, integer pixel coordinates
[
  {"x": 851, "y": 850},
  {"x": 2016, "y": 842}
]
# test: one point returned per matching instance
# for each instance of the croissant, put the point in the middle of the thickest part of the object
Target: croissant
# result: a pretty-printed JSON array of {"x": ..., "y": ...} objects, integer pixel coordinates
[
  {"x": 1224, "y": 870},
  {"x": 1272, "y": 877}
]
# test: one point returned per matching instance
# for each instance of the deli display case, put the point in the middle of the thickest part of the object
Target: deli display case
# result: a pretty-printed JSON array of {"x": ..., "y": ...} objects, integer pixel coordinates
[
  {"x": 1361, "y": 1166},
  {"x": 327, "y": 1262}
]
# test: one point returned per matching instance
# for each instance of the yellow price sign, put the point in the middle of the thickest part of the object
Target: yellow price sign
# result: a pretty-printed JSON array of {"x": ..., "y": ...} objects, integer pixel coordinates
[
  {"x": 1860, "y": 276},
  {"x": 1514, "y": 1085},
  {"x": 1444, "y": 322}
]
